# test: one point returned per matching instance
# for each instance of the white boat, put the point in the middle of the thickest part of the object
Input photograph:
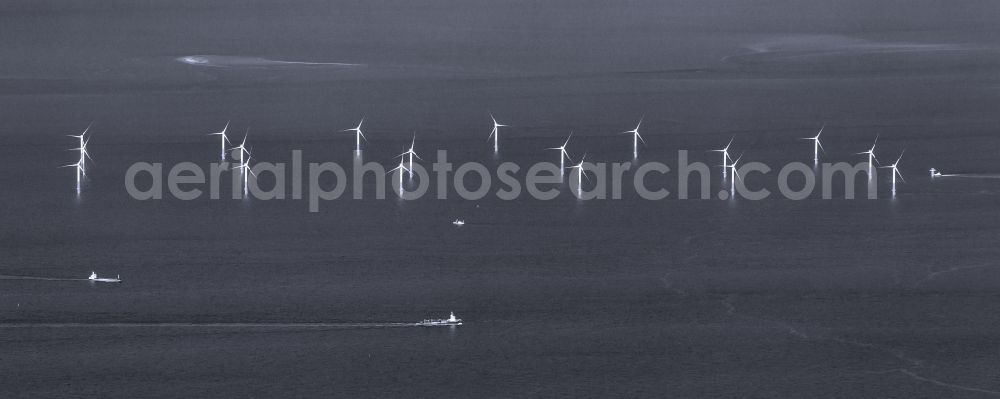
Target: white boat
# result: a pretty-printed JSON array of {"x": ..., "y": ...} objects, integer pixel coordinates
[
  {"x": 935, "y": 173},
  {"x": 450, "y": 321},
  {"x": 93, "y": 277},
  {"x": 458, "y": 222}
]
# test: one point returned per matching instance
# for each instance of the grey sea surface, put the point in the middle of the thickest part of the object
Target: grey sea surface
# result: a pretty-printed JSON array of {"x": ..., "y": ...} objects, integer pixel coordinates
[{"x": 563, "y": 298}]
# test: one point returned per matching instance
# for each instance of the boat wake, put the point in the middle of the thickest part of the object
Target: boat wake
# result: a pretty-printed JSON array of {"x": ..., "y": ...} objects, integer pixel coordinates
[
  {"x": 972, "y": 175},
  {"x": 226, "y": 61},
  {"x": 9, "y": 277},
  {"x": 209, "y": 325}
]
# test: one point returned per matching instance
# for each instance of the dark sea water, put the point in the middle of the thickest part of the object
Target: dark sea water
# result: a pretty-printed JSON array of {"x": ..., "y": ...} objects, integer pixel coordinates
[{"x": 887, "y": 298}]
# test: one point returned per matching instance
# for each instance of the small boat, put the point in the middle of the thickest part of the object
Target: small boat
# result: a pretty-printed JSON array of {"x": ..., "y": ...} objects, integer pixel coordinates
[
  {"x": 935, "y": 173},
  {"x": 93, "y": 277},
  {"x": 450, "y": 321},
  {"x": 458, "y": 222}
]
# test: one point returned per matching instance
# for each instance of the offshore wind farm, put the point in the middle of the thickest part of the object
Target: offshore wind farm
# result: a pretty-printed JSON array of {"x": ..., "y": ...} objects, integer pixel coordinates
[{"x": 557, "y": 294}]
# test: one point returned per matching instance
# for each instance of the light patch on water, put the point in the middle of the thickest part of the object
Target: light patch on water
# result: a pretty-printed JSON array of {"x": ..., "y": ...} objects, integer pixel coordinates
[
  {"x": 227, "y": 61},
  {"x": 801, "y": 47}
]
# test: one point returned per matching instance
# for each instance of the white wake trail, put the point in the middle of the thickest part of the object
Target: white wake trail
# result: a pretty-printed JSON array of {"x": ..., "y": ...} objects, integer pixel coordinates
[
  {"x": 9, "y": 277},
  {"x": 206, "y": 325},
  {"x": 227, "y": 61}
]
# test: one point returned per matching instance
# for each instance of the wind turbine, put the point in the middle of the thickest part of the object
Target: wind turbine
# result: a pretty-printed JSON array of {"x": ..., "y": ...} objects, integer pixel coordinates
[
  {"x": 246, "y": 171},
  {"x": 402, "y": 168},
  {"x": 494, "y": 133},
  {"x": 242, "y": 165},
  {"x": 412, "y": 154},
  {"x": 223, "y": 139},
  {"x": 81, "y": 164},
  {"x": 636, "y": 138},
  {"x": 580, "y": 175},
  {"x": 83, "y": 144},
  {"x": 563, "y": 155},
  {"x": 732, "y": 182},
  {"x": 242, "y": 147},
  {"x": 358, "y": 135},
  {"x": 895, "y": 171},
  {"x": 816, "y": 145},
  {"x": 725, "y": 156},
  {"x": 871, "y": 157}
]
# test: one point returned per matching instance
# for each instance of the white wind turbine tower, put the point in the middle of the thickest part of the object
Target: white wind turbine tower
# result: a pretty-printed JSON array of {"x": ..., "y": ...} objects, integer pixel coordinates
[
  {"x": 725, "y": 156},
  {"x": 223, "y": 139},
  {"x": 79, "y": 171},
  {"x": 494, "y": 134},
  {"x": 246, "y": 171},
  {"x": 402, "y": 168},
  {"x": 636, "y": 138},
  {"x": 816, "y": 145},
  {"x": 358, "y": 135},
  {"x": 242, "y": 165},
  {"x": 871, "y": 157},
  {"x": 580, "y": 174},
  {"x": 411, "y": 153},
  {"x": 563, "y": 155},
  {"x": 895, "y": 171},
  {"x": 732, "y": 181}
]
